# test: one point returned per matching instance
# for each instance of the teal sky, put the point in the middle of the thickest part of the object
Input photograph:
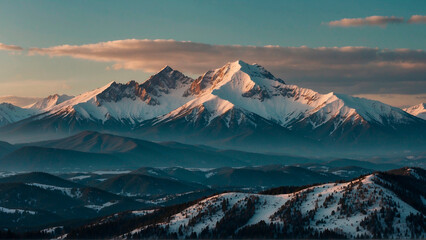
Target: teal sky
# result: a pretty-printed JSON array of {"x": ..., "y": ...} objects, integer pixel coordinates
[
  {"x": 286, "y": 23},
  {"x": 298, "y": 23}
]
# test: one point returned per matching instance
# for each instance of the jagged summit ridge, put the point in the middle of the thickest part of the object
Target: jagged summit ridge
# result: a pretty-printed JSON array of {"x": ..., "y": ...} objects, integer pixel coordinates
[
  {"x": 217, "y": 91},
  {"x": 128, "y": 103},
  {"x": 241, "y": 75},
  {"x": 167, "y": 81}
]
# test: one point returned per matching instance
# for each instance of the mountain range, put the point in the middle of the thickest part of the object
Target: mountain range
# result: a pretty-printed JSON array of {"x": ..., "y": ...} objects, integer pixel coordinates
[
  {"x": 92, "y": 151},
  {"x": 240, "y": 106},
  {"x": 96, "y": 151}
]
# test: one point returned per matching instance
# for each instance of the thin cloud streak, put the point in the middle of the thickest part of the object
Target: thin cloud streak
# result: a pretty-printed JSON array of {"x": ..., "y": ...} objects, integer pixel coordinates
[
  {"x": 368, "y": 21},
  {"x": 10, "y": 47},
  {"x": 353, "y": 70},
  {"x": 417, "y": 19},
  {"x": 381, "y": 21}
]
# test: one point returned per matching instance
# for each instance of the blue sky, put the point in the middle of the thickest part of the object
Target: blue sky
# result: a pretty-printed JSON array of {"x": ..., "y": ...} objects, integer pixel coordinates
[
  {"x": 285, "y": 23},
  {"x": 44, "y": 24}
]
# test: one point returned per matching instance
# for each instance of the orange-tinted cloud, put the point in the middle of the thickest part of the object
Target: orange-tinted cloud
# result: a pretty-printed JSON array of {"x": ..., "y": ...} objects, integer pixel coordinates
[
  {"x": 368, "y": 21},
  {"x": 10, "y": 47},
  {"x": 417, "y": 19},
  {"x": 343, "y": 69}
]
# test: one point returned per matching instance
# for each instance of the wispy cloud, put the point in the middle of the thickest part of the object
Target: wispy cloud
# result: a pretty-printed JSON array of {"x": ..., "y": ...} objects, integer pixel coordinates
[
  {"x": 10, "y": 47},
  {"x": 376, "y": 21},
  {"x": 368, "y": 21},
  {"x": 343, "y": 69},
  {"x": 417, "y": 19}
]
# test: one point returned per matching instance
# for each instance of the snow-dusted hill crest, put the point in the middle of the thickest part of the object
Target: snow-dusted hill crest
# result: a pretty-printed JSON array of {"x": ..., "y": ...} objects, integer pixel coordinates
[
  {"x": 418, "y": 110},
  {"x": 372, "y": 206}
]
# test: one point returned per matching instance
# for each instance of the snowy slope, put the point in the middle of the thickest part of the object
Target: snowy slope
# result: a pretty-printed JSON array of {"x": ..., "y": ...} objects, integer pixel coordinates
[
  {"x": 49, "y": 102},
  {"x": 360, "y": 208},
  {"x": 418, "y": 110},
  {"x": 14, "y": 211},
  {"x": 10, "y": 113}
]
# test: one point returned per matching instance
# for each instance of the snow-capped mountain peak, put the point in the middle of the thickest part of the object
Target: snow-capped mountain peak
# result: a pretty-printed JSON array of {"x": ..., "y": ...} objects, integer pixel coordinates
[
  {"x": 117, "y": 91},
  {"x": 166, "y": 69},
  {"x": 49, "y": 102},
  {"x": 82, "y": 98},
  {"x": 10, "y": 113},
  {"x": 240, "y": 77},
  {"x": 249, "y": 81},
  {"x": 229, "y": 87},
  {"x": 418, "y": 110},
  {"x": 256, "y": 70},
  {"x": 165, "y": 80}
]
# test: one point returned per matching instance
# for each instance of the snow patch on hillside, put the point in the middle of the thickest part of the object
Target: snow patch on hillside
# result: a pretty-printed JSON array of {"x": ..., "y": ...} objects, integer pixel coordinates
[
  {"x": 14, "y": 211},
  {"x": 81, "y": 177},
  {"x": 100, "y": 207},
  {"x": 71, "y": 192},
  {"x": 143, "y": 212}
]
